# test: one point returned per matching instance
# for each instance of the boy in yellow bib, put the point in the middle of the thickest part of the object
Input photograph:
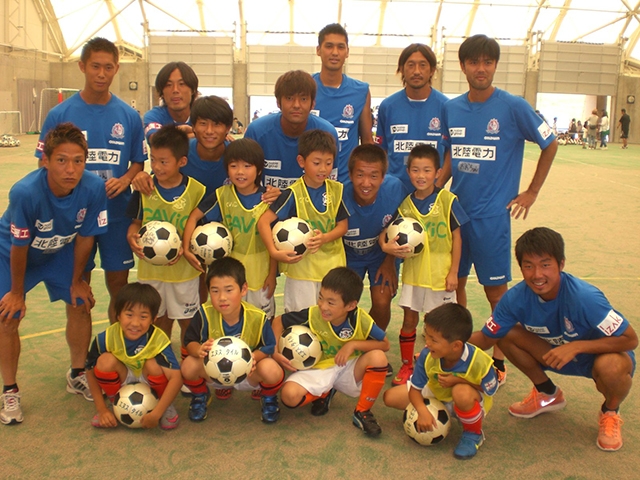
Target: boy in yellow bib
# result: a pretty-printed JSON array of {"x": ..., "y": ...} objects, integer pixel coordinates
[
  {"x": 430, "y": 278},
  {"x": 455, "y": 372},
  {"x": 353, "y": 360},
  {"x": 318, "y": 200}
]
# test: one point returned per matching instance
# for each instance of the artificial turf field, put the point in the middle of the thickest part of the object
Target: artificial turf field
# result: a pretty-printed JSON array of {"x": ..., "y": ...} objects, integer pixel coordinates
[{"x": 590, "y": 197}]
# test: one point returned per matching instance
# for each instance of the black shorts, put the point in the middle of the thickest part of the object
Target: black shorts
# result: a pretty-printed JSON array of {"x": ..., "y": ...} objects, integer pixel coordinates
[{"x": 624, "y": 134}]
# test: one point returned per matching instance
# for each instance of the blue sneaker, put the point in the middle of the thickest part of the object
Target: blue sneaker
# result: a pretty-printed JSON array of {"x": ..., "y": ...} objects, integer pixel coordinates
[
  {"x": 198, "y": 406},
  {"x": 270, "y": 409},
  {"x": 468, "y": 445}
]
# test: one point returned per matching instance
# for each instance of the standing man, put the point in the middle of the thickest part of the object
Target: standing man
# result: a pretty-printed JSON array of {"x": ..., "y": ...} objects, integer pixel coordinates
[
  {"x": 116, "y": 154},
  {"x": 554, "y": 322},
  {"x": 484, "y": 134},
  {"x": 343, "y": 101},
  {"x": 623, "y": 124},
  {"x": 277, "y": 133},
  {"x": 412, "y": 115}
]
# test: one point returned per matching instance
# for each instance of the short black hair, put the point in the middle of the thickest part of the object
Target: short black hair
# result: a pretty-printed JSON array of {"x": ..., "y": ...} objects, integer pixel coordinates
[
  {"x": 540, "y": 241},
  {"x": 369, "y": 153},
  {"x": 64, "y": 133},
  {"x": 424, "y": 150},
  {"x": 410, "y": 50},
  {"x": 452, "y": 321},
  {"x": 345, "y": 282},
  {"x": 479, "y": 46},
  {"x": 173, "y": 138},
  {"x": 316, "y": 141},
  {"x": 332, "y": 28},
  {"x": 188, "y": 76},
  {"x": 246, "y": 150},
  {"x": 138, "y": 293},
  {"x": 99, "y": 44},
  {"x": 295, "y": 82},
  {"x": 227, "y": 267},
  {"x": 212, "y": 108}
]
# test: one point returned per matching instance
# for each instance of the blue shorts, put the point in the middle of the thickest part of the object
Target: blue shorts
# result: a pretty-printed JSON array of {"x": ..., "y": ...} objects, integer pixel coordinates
[
  {"x": 583, "y": 366},
  {"x": 370, "y": 267},
  {"x": 486, "y": 244},
  {"x": 115, "y": 253}
]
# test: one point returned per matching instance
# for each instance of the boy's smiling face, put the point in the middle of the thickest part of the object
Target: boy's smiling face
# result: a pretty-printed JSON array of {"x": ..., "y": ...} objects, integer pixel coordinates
[
  {"x": 135, "y": 321},
  {"x": 332, "y": 307},
  {"x": 317, "y": 168}
]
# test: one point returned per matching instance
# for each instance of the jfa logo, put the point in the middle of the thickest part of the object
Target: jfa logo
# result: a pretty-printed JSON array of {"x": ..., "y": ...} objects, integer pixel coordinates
[
  {"x": 117, "y": 131},
  {"x": 434, "y": 124},
  {"x": 348, "y": 111},
  {"x": 493, "y": 126},
  {"x": 80, "y": 215}
]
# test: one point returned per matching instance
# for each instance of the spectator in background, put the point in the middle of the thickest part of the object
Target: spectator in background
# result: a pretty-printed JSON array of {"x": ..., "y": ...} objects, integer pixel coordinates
[{"x": 604, "y": 130}]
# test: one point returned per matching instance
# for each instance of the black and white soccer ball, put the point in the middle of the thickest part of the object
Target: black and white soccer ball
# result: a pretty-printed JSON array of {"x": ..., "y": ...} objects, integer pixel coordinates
[
  {"x": 132, "y": 402},
  {"x": 210, "y": 242},
  {"x": 229, "y": 361},
  {"x": 292, "y": 234},
  {"x": 435, "y": 436},
  {"x": 409, "y": 232},
  {"x": 160, "y": 242},
  {"x": 300, "y": 346}
]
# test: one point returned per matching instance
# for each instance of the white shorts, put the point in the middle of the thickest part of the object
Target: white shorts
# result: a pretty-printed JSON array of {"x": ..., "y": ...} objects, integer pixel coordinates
[
  {"x": 421, "y": 299},
  {"x": 258, "y": 298},
  {"x": 427, "y": 393},
  {"x": 317, "y": 381},
  {"x": 243, "y": 386},
  {"x": 300, "y": 294},
  {"x": 179, "y": 300},
  {"x": 133, "y": 378}
]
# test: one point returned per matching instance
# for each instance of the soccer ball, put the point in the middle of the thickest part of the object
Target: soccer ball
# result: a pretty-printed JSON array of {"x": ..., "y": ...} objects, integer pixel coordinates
[
  {"x": 132, "y": 402},
  {"x": 300, "y": 346},
  {"x": 210, "y": 242},
  {"x": 409, "y": 232},
  {"x": 160, "y": 242},
  {"x": 439, "y": 412},
  {"x": 292, "y": 234},
  {"x": 229, "y": 361}
]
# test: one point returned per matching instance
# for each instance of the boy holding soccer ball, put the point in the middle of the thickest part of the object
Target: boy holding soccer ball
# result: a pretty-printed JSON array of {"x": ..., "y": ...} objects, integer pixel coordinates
[
  {"x": 227, "y": 315},
  {"x": 134, "y": 350},
  {"x": 353, "y": 360},
  {"x": 430, "y": 278},
  {"x": 455, "y": 372},
  {"x": 173, "y": 198}
]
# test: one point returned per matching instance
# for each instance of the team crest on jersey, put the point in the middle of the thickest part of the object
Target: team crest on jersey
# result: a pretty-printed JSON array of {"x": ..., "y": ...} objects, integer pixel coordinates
[
  {"x": 325, "y": 199},
  {"x": 345, "y": 333},
  {"x": 493, "y": 127},
  {"x": 568, "y": 326},
  {"x": 434, "y": 124},
  {"x": 117, "y": 131},
  {"x": 179, "y": 204},
  {"x": 80, "y": 215},
  {"x": 348, "y": 111},
  {"x": 386, "y": 219}
]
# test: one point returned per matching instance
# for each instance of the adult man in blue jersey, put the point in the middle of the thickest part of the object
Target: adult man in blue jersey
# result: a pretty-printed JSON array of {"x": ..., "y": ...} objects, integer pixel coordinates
[
  {"x": 116, "y": 154},
  {"x": 555, "y": 322},
  {"x": 484, "y": 131},
  {"x": 341, "y": 100}
]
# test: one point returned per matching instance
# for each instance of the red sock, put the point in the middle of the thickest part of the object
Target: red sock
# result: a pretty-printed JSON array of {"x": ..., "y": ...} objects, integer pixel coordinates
[
  {"x": 407, "y": 344},
  {"x": 157, "y": 383},
  {"x": 197, "y": 387},
  {"x": 269, "y": 389},
  {"x": 372, "y": 383},
  {"x": 109, "y": 381},
  {"x": 308, "y": 398},
  {"x": 471, "y": 420}
]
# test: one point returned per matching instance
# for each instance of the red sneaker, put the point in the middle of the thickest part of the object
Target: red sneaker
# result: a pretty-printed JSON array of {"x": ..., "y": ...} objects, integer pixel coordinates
[
  {"x": 403, "y": 375},
  {"x": 537, "y": 402},
  {"x": 609, "y": 434}
]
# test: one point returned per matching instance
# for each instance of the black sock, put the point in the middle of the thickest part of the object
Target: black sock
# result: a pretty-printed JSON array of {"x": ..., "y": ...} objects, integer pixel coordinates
[
  {"x": 6, "y": 388},
  {"x": 76, "y": 371},
  {"x": 499, "y": 364},
  {"x": 605, "y": 409},
  {"x": 547, "y": 387}
]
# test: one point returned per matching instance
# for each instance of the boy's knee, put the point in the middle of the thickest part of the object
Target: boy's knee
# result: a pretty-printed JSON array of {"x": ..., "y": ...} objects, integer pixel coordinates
[
  {"x": 107, "y": 362},
  {"x": 289, "y": 397}
]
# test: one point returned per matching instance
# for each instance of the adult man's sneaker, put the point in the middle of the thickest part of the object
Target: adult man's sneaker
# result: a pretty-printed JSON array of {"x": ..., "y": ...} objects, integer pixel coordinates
[
  {"x": 389, "y": 370},
  {"x": 198, "y": 406},
  {"x": 366, "y": 422},
  {"x": 79, "y": 385},
  {"x": 270, "y": 409},
  {"x": 11, "y": 412},
  {"x": 501, "y": 375},
  {"x": 537, "y": 403},
  {"x": 468, "y": 445},
  {"x": 609, "y": 433},
  {"x": 170, "y": 418},
  {"x": 321, "y": 406},
  {"x": 403, "y": 374}
]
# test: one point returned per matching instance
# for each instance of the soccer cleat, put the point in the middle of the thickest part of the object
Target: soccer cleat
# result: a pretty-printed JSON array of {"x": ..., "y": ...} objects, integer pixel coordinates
[
  {"x": 79, "y": 386},
  {"x": 170, "y": 418},
  {"x": 321, "y": 406},
  {"x": 270, "y": 409},
  {"x": 468, "y": 445},
  {"x": 501, "y": 375},
  {"x": 256, "y": 394},
  {"x": 389, "y": 370},
  {"x": 609, "y": 433},
  {"x": 224, "y": 393},
  {"x": 403, "y": 375},
  {"x": 366, "y": 422},
  {"x": 198, "y": 406},
  {"x": 536, "y": 403},
  {"x": 11, "y": 412}
]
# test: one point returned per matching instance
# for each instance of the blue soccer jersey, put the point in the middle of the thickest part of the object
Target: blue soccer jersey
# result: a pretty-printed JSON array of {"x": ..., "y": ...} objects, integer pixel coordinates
[
  {"x": 342, "y": 108},
  {"x": 211, "y": 174},
  {"x": 115, "y": 137},
  {"x": 405, "y": 123},
  {"x": 366, "y": 222},
  {"x": 36, "y": 217},
  {"x": 280, "y": 151},
  {"x": 486, "y": 140},
  {"x": 156, "y": 118}
]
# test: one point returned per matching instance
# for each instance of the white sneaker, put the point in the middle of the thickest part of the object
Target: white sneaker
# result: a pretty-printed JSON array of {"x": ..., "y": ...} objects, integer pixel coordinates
[
  {"x": 170, "y": 419},
  {"x": 11, "y": 412},
  {"x": 79, "y": 386}
]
